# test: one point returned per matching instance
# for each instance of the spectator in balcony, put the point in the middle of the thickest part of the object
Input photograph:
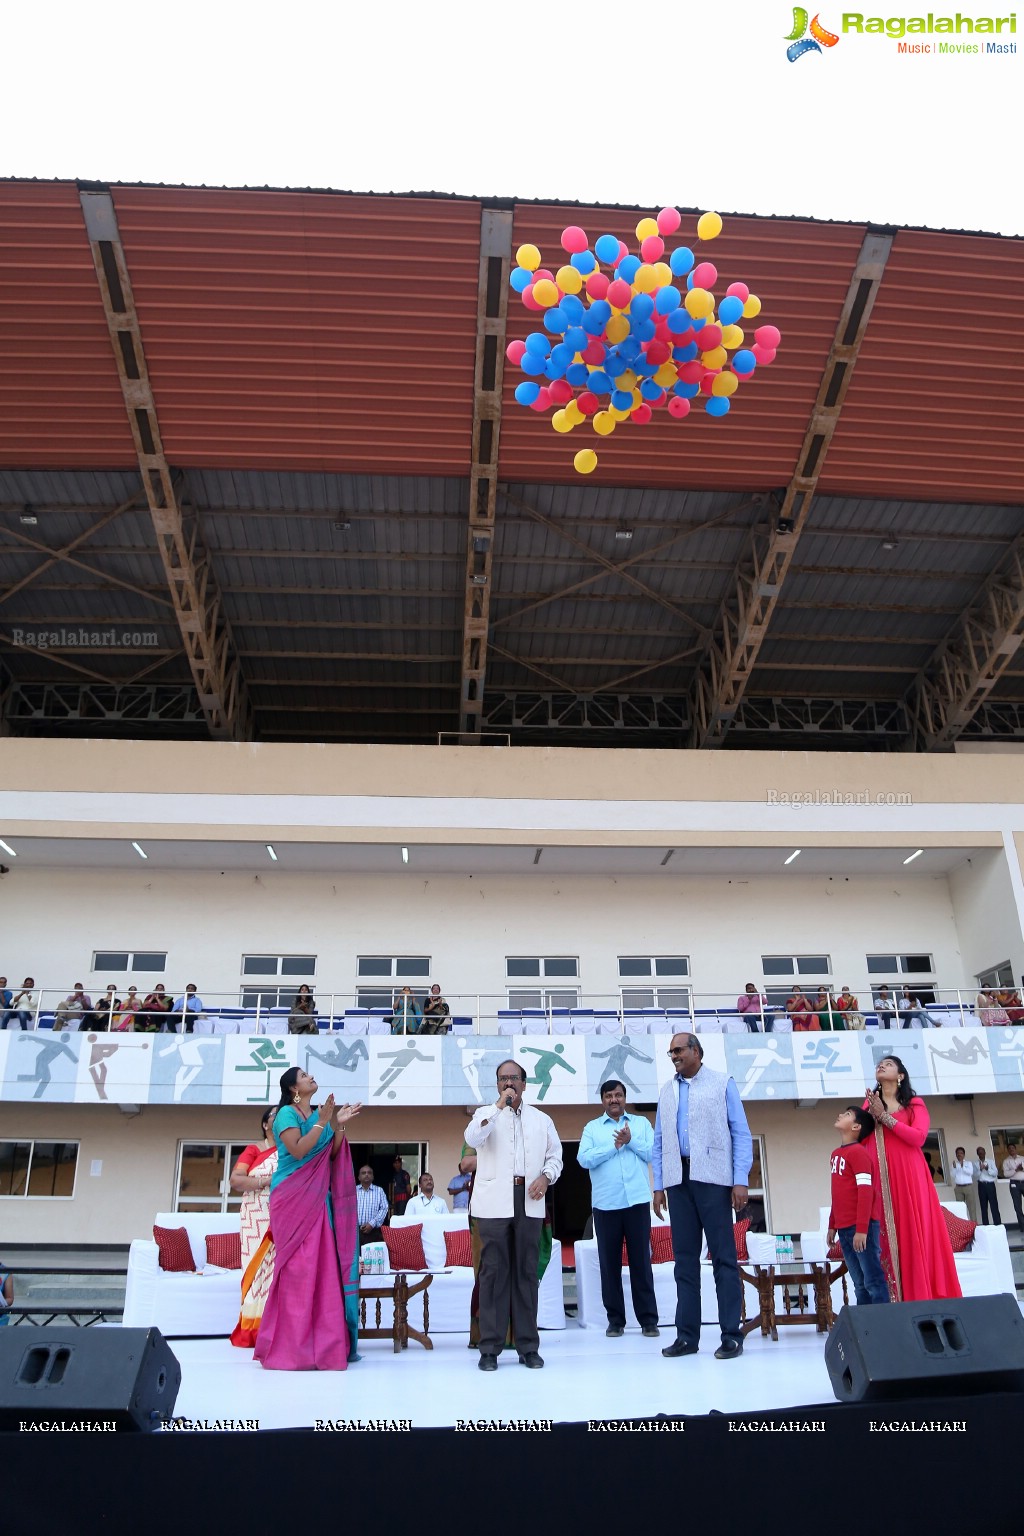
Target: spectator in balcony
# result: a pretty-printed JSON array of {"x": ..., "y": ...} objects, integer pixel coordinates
[
  {"x": 22, "y": 1005},
  {"x": 188, "y": 1007},
  {"x": 801, "y": 1014},
  {"x": 989, "y": 1011},
  {"x": 73, "y": 1009},
  {"x": 107, "y": 1009},
  {"x": 435, "y": 1013},
  {"x": 1010, "y": 1000},
  {"x": 1013, "y": 1169},
  {"x": 829, "y": 1016},
  {"x": 752, "y": 1007},
  {"x": 5, "y": 993},
  {"x": 302, "y": 1014},
  {"x": 156, "y": 1009},
  {"x": 914, "y": 1014},
  {"x": 130, "y": 1012},
  {"x": 425, "y": 1202},
  {"x": 850, "y": 1009},
  {"x": 407, "y": 1014},
  {"x": 885, "y": 1007},
  {"x": 987, "y": 1198}
]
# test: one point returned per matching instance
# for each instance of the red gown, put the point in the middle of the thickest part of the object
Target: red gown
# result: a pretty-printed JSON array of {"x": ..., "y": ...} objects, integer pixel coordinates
[{"x": 916, "y": 1249}]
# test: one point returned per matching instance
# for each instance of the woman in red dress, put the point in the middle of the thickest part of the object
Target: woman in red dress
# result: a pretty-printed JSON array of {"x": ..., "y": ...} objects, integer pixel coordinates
[{"x": 916, "y": 1249}]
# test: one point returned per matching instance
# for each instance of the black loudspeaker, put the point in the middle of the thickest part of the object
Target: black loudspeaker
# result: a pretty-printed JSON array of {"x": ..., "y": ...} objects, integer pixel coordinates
[
  {"x": 124, "y": 1378},
  {"x": 927, "y": 1349}
]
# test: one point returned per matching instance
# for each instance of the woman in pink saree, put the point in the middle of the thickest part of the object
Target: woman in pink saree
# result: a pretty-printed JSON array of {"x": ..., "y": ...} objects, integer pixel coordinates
[{"x": 311, "y": 1315}]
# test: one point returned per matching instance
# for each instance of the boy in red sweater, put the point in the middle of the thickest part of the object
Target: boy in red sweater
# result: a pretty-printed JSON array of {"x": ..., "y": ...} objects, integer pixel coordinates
[{"x": 855, "y": 1204}]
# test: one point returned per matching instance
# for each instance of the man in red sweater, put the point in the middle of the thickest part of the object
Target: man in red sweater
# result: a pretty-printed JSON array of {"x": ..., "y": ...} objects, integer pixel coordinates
[{"x": 855, "y": 1207}]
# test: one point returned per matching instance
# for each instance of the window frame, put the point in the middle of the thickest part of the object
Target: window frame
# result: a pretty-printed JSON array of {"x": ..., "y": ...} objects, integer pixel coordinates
[
  {"x": 131, "y": 968},
  {"x": 230, "y": 1203},
  {"x": 32, "y": 1142}
]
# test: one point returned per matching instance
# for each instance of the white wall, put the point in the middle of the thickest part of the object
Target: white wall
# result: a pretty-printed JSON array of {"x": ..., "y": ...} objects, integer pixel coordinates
[{"x": 985, "y": 914}]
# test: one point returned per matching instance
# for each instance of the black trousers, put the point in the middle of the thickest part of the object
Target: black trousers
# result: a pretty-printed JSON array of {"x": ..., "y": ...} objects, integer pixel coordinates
[
  {"x": 989, "y": 1203},
  {"x": 630, "y": 1225},
  {"x": 509, "y": 1250},
  {"x": 373, "y": 1236},
  {"x": 703, "y": 1210},
  {"x": 1016, "y": 1195}
]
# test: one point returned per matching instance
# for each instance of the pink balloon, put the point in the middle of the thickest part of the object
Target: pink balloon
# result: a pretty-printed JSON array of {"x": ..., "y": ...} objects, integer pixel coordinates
[
  {"x": 768, "y": 336},
  {"x": 597, "y": 285},
  {"x": 574, "y": 239},
  {"x": 764, "y": 355},
  {"x": 691, "y": 373},
  {"x": 704, "y": 276},
  {"x": 543, "y": 272},
  {"x": 593, "y": 352},
  {"x": 641, "y": 415},
  {"x": 657, "y": 403},
  {"x": 623, "y": 251},
  {"x": 653, "y": 248},
  {"x": 529, "y": 300},
  {"x": 677, "y": 406},
  {"x": 619, "y": 293},
  {"x": 560, "y": 392},
  {"x": 658, "y": 352},
  {"x": 543, "y": 401},
  {"x": 738, "y": 291},
  {"x": 709, "y": 337},
  {"x": 669, "y": 220},
  {"x": 514, "y": 351}
]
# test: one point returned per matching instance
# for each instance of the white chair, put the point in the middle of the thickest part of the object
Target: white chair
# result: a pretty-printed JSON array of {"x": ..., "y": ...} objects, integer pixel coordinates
[
  {"x": 183, "y": 1304},
  {"x": 582, "y": 1022},
  {"x": 375, "y": 1025}
]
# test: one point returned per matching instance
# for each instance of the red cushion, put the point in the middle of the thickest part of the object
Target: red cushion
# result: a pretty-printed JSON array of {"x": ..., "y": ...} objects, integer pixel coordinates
[
  {"x": 405, "y": 1247},
  {"x": 961, "y": 1232},
  {"x": 174, "y": 1250},
  {"x": 458, "y": 1249},
  {"x": 225, "y": 1250},
  {"x": 835, "y": 1252},
  {"x": 739, "y": 1232},
  {"x": 661, "y": 1244}
]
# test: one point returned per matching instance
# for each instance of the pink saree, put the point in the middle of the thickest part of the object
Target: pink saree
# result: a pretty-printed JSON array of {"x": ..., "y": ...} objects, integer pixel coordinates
[{"x": 311, "y": 1315}]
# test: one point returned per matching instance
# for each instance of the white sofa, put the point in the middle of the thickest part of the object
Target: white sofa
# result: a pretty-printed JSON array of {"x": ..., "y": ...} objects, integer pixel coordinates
[
  {"x": 181, "y": 1305},
  {"x": 590, "y": 1311},
  {"x": 450, "y": 1292},
  {"x": 984, "y": 1269}
]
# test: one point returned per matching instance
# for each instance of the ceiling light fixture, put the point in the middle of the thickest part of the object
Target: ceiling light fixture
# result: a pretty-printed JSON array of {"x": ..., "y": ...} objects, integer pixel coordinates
[
  {"x": 890, "y": 543},
  {"x": 140, "y": 851},
  {"x": 914, "y": 856},
  {"x": 623, "y": 533},
  {"x": 341, "y": 527},
  {"x": 7, "y": 848},
  {"x": 28, "y": 517},
  {"x": 785, "y": 525},
  {"x": 478, "y": 581},
  {"x": 405, "y": 855},
  {"x": 794, "y": 855},
  {"x": 270, "y": 850}
]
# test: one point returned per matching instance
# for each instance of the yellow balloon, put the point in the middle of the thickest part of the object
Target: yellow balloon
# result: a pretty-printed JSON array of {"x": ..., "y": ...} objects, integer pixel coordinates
[
  {"x": 617, "y": 329},
  {"x": 561, "y": 422},
  {"x": 645, "y": 280},
  {"x": 545, "y": 293},
  {"x": 646, "y": 227},
  {"x": 732, "y": 337},
  {"x": 667, "y": 375},
  {"x": 698, "y": 303},
  {"x": 752, "y": 307},
  {"x": 616, "y": 414},
  {"x": 585, "y": 461},
  {"x": 604, "y": 423},
  {"x": 725, "y": 384},
  {"x": 638, "y": 399},
  {"x": 528, "y": 257},
  {"x": 709, "y": 226},
  {"x": 626, "y": 379},
  {"x": 569, "y": 280},
  {"x": 663, "y": 273},
  {"x": 716, "y": 358},
  {"x": 574, "y": 414}
]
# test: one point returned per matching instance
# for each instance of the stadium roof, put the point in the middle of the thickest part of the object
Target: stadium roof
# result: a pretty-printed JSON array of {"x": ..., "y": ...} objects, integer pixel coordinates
[{"x": 266, "y": 439}]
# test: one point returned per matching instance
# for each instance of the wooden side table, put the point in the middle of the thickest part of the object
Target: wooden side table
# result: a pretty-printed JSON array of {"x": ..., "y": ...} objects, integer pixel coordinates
[
  {"x": 397, "y": 1290},
  {"x": 813, "y": 1284}
]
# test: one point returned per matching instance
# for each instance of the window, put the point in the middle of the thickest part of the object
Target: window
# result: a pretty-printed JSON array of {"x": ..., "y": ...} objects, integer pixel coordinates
[
  {"x": 889, "y": 966},
  {"x": 934, "y": 1150},
  {"x": 396, "y": 972},
  {"x": 809, "y": 972},
  {"x": 31, "y": 1169},
  {"x": 128, "y": 961},
  {"x": 663, "y": 991},
  {"x": 202, "y": 1177},
  {"x": 1000, "y": 1139},
  {"x": 1000, "y": 976},
  {"x": 757, "y": 1195},
  {"x": 301, "y": 967},
  {"x": 542, "y": 967}
]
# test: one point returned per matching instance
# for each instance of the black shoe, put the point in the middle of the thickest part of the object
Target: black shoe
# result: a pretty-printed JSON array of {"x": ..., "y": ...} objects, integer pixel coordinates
[
  {"x": 680, "y": 1347},
  {"x": 650, "y": 1332},
  {"x": 729, "y": 1349},
  {"x": 487, "y": 1363},
  {"x": 614, "y": 1333},
  {"x": 532, "y": 1361}
]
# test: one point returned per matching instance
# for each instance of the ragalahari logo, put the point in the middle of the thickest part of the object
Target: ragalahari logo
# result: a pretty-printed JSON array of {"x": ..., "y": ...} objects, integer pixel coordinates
[{"x": 799, "y": 43}]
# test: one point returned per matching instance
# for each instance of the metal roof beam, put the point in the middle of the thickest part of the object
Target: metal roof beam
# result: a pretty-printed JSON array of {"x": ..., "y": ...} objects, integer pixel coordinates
[
  {"x": 948, "y": 692},
  {"x": 747, "y": 612},
  {"x": 197, "y": 603},
  {"x": 492, "y": 311},
  {"x": 56, "y": 703}
]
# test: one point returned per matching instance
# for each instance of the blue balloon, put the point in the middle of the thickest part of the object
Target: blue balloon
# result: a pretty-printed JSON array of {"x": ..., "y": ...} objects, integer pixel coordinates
[
  {"x": 685, "y": 354},
  {"x": 644, "y": 330},
  {"x": 628, "y": 268},
  {"x": 681, "y": 261},
  {"x": 718, "y": 405},
  {"x": 563, "y": 354},
  {"x": 606, "y": 249},
  {"x": 744, "y": 362},
  {"x": 572, "y": 308},
  {"x": 668, "y": 299},
  {"x": 577, "y": 374},
  {"x": 686, "y": 391},
  {"x": 555, "y": 320},
  {"x": 622, "y": 399},
  {"x": 603, "y": 311},
  {"x": 697, "y": 325},
  {"x": 526, "y": 393},
  {"x": 554, "y": 370},
  {"x": 644, "y": 369},
  {"x": 641, "y": 307},
  {"x": 650, "y": 390},
  {"x": 689, "y": 281},
  {"x": 730, "y": 310},
  {"x": 583, "y": 261},
  {"x": 521, "y": 280},
  {"x": 599, "y": 382},
  {"x": 630, "y": 348},
  {"x": 592, "y": 324},
  {"x": 538, "y": 343},
  {"x": 532, "y": 362},
  {"x": 679, "y": 322},
  {"x": 576, "y": 338}
]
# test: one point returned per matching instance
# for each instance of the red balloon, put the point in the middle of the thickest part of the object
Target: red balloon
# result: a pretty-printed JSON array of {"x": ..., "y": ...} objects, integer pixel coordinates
[
  {"x": 560, "y": 391},
  {"x": 707, "y": 379},
  {"x": 593, "y": 352},
  {"x": 529, "y": 300},
  {"x": 677, "y": 406},
  {"x": 738, "y": 291},
  {"x": 662, "y": 332},
  {"x": 764, "y": 355},
  {"x": 619, "y": 293},
  {"x": 653, "y": 248},
  {"x": 768, "y": 336},
  {"x": 543, "y": 272},
  {"x": 574, "y": 239},
  {"x": 641, "y": 415},
  {"x": 623, "y": 251},
  {"x": 515, "y": 350},
  {"x": 657, "y": 403},
  {"x": 597, "y": 285},
  {"x": 709, "y": 338},
  {"x": 588, "y": 403},
  {"x": 658, "y": 352},
  {"x": 543, "y": 401},
  {"x": 705, "y": 275},
  {"x": 691, "y": 373}
]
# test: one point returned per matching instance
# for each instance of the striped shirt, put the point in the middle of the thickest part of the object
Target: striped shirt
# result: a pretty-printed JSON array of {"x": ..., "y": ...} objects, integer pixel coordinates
[{"x": 371, "y": 1206}]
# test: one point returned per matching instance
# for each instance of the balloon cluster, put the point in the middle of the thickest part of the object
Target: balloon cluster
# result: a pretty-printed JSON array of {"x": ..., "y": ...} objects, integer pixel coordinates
[{"x": 617, "y": 346}]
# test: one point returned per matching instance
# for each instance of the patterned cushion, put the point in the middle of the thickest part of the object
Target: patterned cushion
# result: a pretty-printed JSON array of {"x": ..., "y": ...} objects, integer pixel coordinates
[
  {"x": 661, "y": 1244},
  {"x": 961, "y": 1232},
  {"x": 835, "y": 1252},
  {"x": 405, "y": 1247},
  {"x": 224, "y": 1249},
  {"x": 458, "y": 1249},
  {"x": 174, "y": 1250},
  {"x": 739, "y": 1233}
]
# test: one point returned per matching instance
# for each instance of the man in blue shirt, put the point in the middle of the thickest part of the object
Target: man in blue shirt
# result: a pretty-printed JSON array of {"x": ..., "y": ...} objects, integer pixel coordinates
[
  {"x": 702, "y": 1157},
  {"x": 617, "y": 1150}
]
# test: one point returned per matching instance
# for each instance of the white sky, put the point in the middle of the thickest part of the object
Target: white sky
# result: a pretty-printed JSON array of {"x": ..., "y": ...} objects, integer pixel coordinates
[{"x": 684, "y": 101}]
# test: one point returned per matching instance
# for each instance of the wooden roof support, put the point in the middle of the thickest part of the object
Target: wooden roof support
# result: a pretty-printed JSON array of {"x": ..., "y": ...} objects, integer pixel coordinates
[
  {"x": 492, "y": 310},
  {"x": 948, "y": 692},
  {"x": 743, "y": 622},
  {"x": 205, "y": 632}
]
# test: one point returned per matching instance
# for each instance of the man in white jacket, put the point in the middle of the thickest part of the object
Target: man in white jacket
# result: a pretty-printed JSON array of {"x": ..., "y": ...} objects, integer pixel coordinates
[{"x": 519, "y": 1157}]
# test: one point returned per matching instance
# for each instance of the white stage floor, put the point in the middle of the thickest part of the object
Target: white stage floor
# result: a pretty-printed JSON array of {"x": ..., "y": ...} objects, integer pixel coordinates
[{"x": 586, "y": 1376}]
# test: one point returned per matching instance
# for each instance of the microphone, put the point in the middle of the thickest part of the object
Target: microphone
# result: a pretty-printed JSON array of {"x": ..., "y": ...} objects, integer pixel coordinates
[{"x": 509, "y": 1100}]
